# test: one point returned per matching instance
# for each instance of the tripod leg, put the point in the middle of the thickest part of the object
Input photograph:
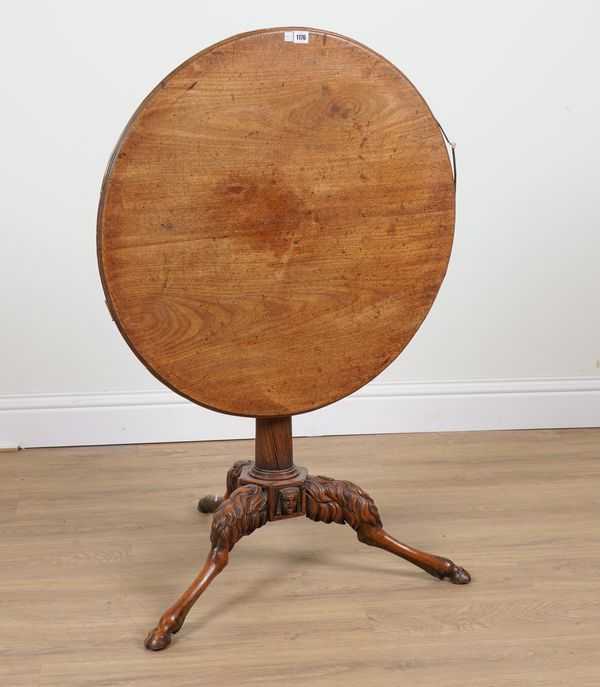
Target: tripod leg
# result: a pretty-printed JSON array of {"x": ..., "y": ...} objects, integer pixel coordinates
[
  {"x": 435, "y": 565},
  {"x": 210, "y": 502},
  {"x": 243, "y": 512},
  {"x": 329, "y": 500}
]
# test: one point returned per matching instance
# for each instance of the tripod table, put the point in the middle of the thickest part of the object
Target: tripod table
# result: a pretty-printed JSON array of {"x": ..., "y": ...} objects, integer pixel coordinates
[{"x": 274, "y": 225}]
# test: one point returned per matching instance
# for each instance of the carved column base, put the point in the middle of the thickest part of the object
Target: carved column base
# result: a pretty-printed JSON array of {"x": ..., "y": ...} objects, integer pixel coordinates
[{"x": 252, "y": 499}]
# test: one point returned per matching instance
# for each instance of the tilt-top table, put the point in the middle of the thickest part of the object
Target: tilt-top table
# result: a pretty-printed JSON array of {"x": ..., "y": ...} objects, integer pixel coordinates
[{"x": 275, "y": 223}]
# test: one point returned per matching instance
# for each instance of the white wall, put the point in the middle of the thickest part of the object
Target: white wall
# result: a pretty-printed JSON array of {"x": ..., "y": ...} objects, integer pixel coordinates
[{"x": 514, "y": 83}]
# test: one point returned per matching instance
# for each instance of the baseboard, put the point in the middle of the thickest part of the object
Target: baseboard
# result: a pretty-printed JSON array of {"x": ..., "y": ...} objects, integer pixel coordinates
[{"x": 80, "y": 419}]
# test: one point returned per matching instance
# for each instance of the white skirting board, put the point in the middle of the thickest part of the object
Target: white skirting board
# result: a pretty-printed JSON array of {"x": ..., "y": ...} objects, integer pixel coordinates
[{"x": 85, "y": 419}]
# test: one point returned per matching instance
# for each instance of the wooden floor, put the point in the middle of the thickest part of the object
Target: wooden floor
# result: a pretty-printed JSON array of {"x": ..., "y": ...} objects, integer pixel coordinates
[{"x": 97, "y": 542}]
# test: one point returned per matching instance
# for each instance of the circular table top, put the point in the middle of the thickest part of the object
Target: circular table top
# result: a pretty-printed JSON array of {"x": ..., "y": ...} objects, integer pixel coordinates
[{"x": 275, "y": 222}]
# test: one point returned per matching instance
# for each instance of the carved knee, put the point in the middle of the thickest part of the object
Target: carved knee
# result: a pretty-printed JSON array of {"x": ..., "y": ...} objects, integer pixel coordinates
[
  {"x": 331, "y": 500},
  {"x": 239, "y": 515}
]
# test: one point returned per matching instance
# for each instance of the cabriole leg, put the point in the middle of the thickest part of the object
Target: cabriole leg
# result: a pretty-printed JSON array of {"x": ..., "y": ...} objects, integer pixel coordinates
[
  {"x": 240, "y": 514},
  {"x": 329, "y": 500}
]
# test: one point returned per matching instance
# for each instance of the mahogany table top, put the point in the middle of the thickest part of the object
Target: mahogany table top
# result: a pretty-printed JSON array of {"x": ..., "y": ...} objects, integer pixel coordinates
[{"x": 275, "y": 222}]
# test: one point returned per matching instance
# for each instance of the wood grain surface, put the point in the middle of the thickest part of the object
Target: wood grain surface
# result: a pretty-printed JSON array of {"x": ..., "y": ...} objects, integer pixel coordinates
[
  {"x": 276, "y": 222},
  {"x": 97, "y": 541}
]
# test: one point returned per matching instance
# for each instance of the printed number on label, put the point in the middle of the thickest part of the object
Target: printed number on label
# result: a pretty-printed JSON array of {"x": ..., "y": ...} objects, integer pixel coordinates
[{"x": 295, "y": 36}]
